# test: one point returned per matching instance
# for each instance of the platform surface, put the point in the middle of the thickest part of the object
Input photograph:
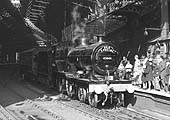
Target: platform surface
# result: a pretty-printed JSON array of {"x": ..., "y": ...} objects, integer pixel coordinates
[{"x": 151, "y": 102}]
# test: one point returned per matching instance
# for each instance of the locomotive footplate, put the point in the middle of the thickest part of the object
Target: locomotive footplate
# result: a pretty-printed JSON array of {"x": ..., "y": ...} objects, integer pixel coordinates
[{"x": 100, "y": 86}]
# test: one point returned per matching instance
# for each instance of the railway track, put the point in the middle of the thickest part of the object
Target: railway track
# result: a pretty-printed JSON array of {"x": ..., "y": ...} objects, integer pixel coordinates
[
  {"x": 109, "y": 113},
  {"x": 48, "y": 108},
  {"x": 39, "y": 109},
  {"x": 24, "y": 114},
  {"x": 29, "y": 110},
  {"x": 5, "y": 115}
]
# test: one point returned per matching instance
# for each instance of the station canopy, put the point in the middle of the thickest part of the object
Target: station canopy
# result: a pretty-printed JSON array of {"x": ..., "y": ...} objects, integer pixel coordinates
[
  {"x": 20, "y": 27},
  {"x": 159, "y": 39},
  {"x": 16, "y": 30}
]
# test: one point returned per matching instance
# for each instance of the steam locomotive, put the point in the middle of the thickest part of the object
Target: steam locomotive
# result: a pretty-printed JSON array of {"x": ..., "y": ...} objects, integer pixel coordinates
[{"x": 87, "y": 72}]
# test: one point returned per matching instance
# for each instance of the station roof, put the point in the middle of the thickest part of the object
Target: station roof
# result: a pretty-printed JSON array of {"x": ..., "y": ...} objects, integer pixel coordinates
[
  {"x": 159, "y": 39},
  {"x": 16, "y": 30},
  {"x": 23, "y": 33}
]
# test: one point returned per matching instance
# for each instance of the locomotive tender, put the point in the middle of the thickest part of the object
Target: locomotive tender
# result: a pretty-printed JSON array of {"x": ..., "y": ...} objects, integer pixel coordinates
[{"x": 87, "y": 72}]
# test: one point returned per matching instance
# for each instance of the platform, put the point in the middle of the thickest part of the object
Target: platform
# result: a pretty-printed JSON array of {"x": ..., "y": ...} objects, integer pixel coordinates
[{"x": 151, "y": 102}]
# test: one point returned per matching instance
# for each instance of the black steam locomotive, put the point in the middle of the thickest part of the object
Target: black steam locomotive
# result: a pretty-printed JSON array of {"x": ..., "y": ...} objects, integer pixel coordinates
[{"x": 87, "y": 72}]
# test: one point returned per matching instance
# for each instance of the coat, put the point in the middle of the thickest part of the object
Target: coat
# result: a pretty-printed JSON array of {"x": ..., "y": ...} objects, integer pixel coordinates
[
  {"x": 148, "y": 73},
  {"x": 162, "y": 66},
  {"x": 156, "y": 71},
  {"x": 167, "y": 73}
]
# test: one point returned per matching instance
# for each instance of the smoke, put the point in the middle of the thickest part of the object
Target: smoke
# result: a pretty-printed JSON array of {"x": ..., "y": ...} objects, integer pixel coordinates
[
  {"x": 78, "y": 26},
  {"x": 76, "y": 15}
]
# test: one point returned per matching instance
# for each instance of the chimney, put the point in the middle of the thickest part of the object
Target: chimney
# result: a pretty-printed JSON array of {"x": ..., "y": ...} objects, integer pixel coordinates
[
  {"x": 83, "y": 42},
  {"x": 100, "y": 38}
]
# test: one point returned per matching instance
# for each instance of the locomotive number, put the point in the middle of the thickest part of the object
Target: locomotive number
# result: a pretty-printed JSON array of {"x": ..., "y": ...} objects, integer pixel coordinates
[
  {"x": 107, "y": 58},
  {"x": 108, "y": 77}
]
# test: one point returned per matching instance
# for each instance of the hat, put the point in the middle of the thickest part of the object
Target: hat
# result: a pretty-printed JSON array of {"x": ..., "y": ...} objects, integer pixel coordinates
[{"x": 136, "y": 56}]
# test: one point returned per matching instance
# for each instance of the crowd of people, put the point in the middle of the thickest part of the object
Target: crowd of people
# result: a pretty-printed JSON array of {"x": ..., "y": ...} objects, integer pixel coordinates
[{"x": 147, "y": 72}]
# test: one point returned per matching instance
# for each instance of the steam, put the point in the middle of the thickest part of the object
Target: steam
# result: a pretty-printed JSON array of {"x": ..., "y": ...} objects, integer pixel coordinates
[
  {"x": 78, "y": 26},
  {"x": 76, "y": 14}
]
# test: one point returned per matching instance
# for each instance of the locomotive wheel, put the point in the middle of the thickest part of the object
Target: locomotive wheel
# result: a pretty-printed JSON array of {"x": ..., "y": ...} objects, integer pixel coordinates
[
  {"x": 82, "y": 94},
  {"x": 93, "y": 99},
  {"x": 69, "y": 89},
  {"x": 61, "y": 85},
  {"x": 121, "y": 97}
]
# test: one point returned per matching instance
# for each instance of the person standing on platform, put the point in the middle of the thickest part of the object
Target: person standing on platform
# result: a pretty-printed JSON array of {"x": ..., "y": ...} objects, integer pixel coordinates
[
  {"x": 124, "y": 61},
  {"x": 136, "y": 70},
  {"x": 144, "y": 59},
  {"x": 148, "y": 74},
  {"x": 156, "y": 75},
  {"x": 121, "y": 71},
  {"x": 128, "y": 70},
  {"x": 167, "y": 75},
  {"x": 162, "y": 66},
  {"x": 121, "y": 68}
]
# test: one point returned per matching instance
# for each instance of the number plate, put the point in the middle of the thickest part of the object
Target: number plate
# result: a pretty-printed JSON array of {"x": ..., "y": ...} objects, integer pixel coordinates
[{"x": 109, "y": 77}]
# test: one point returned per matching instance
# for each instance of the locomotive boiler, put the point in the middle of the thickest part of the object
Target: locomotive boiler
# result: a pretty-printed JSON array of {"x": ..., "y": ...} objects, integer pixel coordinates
[{"x": 100, "y": 58}]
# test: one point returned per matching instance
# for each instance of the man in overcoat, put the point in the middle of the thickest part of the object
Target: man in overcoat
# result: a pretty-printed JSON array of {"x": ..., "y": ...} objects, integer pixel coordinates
[
  {"x": 162, "y": 66},
  {"x": 148, "y": 74},
  {"x": 167, "y": 75}
]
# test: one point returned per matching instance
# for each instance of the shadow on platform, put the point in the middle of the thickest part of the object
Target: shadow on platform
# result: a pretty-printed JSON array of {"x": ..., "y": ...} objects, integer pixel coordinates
[{"x": 150, "y": 102}]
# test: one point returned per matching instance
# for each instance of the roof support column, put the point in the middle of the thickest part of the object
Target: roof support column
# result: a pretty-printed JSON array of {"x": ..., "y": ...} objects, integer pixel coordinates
[{"x": 164, "y": 23}]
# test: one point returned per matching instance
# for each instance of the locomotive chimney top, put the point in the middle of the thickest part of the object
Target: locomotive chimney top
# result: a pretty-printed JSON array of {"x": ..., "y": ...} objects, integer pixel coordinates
[{"x": 100, "y": 38}]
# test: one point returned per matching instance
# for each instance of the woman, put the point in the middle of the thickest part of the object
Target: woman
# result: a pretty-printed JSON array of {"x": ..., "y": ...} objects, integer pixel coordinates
[{"x": 136, "y": 70}]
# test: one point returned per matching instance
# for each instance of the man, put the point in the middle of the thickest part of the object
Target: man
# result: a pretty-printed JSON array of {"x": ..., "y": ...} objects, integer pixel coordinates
[
  {"x": 148, "y": 74},
  {"x": 162, "y": 66},
  {"x": 124, "y": 61},
  {"x": 128, "y": 69}
]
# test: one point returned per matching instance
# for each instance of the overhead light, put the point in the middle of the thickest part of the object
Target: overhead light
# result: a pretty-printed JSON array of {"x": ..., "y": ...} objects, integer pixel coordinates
[
  {"x": 145, "y": 32},
  {"x": 16, "y": 3}
]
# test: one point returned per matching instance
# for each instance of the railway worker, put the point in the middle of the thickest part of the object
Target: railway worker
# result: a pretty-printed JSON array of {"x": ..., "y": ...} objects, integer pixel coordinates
[
  {"x": 121, "y": 71},
  {"x": 53, "y": 75},
  {"x": 121, "y": 68},
  {"x": 136, "y": 70},
  {"x": 124, "y": 61},
  {"x": 128, "y": 70}
]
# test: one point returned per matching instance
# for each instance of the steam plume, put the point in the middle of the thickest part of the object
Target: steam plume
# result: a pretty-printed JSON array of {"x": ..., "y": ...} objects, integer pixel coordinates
[{"x": 78, "y": 26}]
